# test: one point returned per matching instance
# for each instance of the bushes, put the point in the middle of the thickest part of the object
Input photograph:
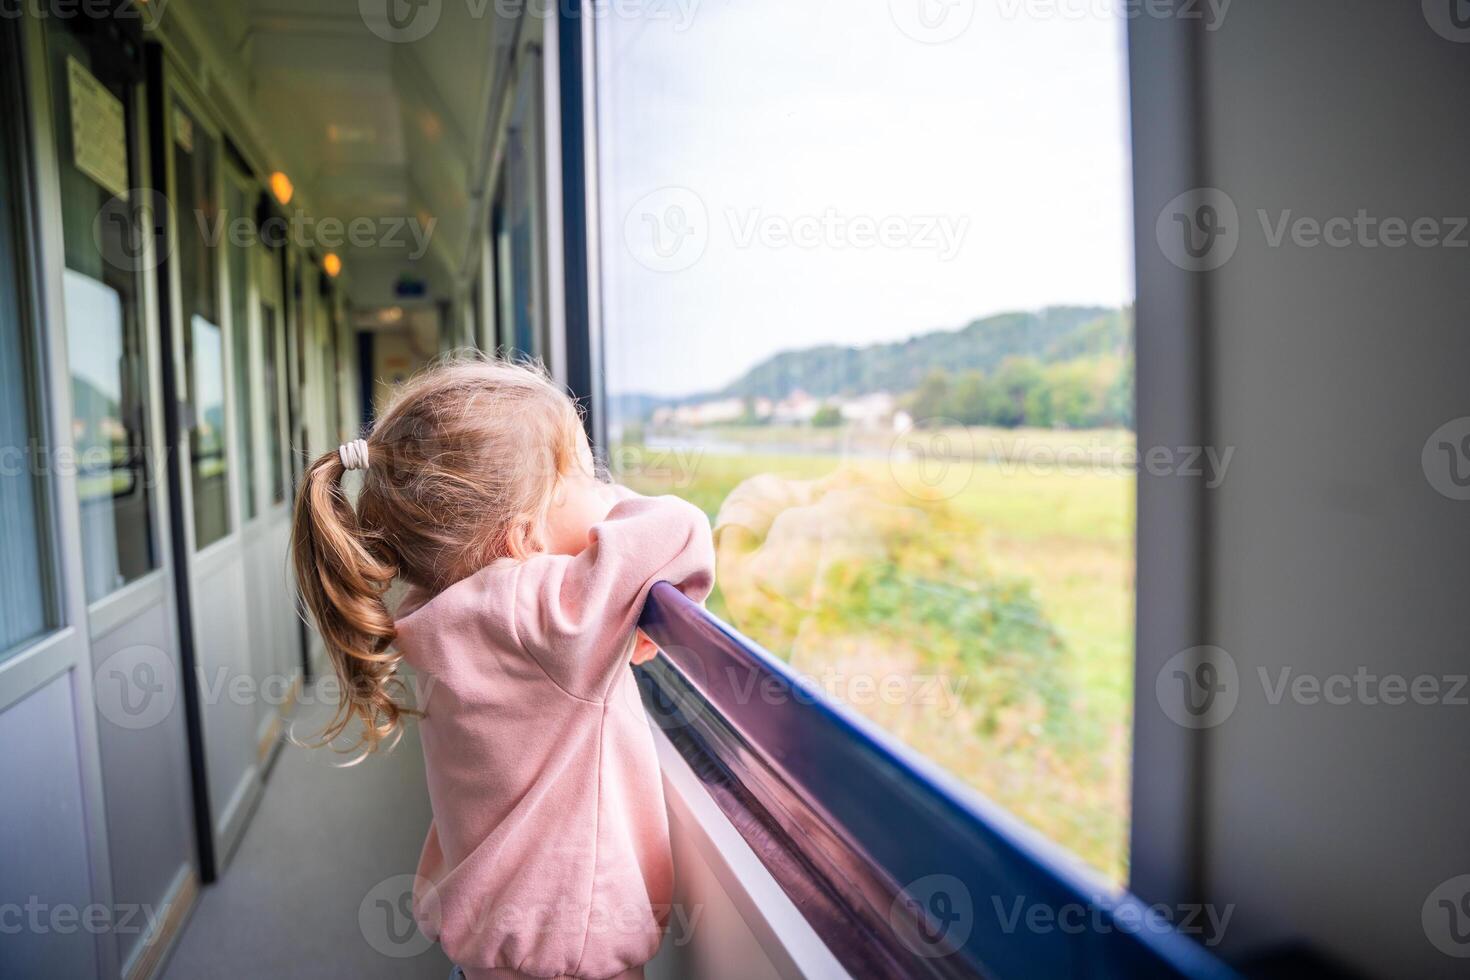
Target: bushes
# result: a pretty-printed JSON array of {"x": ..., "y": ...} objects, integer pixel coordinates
[
  {"x": 804, "y": 563},
  {"x": 1085, "y": 393}
]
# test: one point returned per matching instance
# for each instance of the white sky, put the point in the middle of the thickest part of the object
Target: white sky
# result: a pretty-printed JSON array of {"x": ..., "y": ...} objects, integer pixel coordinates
[{"x": 1015, "y": 131}]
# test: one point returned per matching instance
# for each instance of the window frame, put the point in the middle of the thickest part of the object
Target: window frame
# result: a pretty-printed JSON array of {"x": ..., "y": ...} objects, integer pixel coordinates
[
  {"x": 120, "y": 602},
  {"x": 61, "y": 654},
  {"x": 175, "y": 94},
  {"x": 822, "y": 820},
  {"x": 242, "y": 338},
  {"x": 18, "y": 132}
]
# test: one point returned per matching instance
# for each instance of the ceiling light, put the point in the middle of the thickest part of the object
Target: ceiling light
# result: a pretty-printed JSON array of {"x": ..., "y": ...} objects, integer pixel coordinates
[{"x": 281, "y": 187}]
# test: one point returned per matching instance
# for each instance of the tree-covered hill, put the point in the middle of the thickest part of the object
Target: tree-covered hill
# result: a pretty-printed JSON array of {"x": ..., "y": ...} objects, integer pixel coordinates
[{"x": 1050, "y": 336}]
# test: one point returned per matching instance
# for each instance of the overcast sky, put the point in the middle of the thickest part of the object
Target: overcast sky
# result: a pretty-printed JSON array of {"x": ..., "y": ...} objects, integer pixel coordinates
[{"x": 927, "y": 183}]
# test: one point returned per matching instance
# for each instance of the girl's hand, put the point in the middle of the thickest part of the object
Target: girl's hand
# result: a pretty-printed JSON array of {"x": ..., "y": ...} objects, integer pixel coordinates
[{"x": 644, "y": 649}]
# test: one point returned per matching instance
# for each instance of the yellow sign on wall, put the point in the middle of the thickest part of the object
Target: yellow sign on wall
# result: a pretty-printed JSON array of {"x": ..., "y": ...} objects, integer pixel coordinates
[{"x": 99, "y": 139}]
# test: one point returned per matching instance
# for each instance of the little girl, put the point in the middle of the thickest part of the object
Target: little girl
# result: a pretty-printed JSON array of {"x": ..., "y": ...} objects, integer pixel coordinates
[{"x": 548, "y": 855}]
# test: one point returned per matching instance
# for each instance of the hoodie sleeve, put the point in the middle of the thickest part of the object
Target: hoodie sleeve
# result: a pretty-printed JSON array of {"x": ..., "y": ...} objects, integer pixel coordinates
[{"x": 575, "y": 614}]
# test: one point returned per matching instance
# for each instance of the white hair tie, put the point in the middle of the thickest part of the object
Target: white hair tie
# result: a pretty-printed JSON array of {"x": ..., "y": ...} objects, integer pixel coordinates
[{"x": 354, "y": 454}]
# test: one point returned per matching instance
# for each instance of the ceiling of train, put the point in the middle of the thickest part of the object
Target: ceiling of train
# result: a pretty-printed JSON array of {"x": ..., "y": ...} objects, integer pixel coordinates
[{"x": 366, "y": 127}]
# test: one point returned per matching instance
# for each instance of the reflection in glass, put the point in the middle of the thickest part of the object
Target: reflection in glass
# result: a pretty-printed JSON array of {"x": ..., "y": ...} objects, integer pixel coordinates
[
  {"x": 105, "y": 347},
  {"x": 273, "y": 395},
  {"x": 196, "y": 218},
  {"x": 207, "y": 437},
  {"x": 867, "y": 301},
  {"x": 239, "y": 271},
  {"x": 522, "y": 216},
  {"x": 23, "y": 606},
  {"x": 113, "y": 486}
]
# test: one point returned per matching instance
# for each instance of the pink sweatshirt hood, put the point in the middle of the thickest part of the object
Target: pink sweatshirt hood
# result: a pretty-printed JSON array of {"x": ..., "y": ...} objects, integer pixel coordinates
[{"x": 548, "y": 853}]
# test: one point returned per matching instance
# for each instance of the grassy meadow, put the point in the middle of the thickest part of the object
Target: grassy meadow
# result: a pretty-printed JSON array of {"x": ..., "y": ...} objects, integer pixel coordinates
[{"x": 1000, "y": 560}]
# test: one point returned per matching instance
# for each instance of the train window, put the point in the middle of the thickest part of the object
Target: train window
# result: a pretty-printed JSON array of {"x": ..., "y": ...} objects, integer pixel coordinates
[
  {"x": 331, "y": 374},
  {"x": 274, "y": 394},
  {"x": 196, "y": 215},
  {"x": 521, "y": 214},
  {"x": 104, "y": 330},
  {"x": 239, "y": 273},
  {"x": 872, "y": 310},
  {"x": 24, "y": 611},
  {"x": 504, "y": 285}
]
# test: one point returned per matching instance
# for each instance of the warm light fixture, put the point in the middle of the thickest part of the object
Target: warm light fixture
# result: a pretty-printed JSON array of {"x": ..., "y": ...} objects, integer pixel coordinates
[
  {"x": 391, "y": 314},
  {"x": 281, "y": 187},
  {"x": 332, "y": 264}
]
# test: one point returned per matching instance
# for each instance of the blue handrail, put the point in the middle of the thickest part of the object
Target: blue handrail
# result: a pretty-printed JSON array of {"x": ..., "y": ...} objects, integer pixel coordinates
[{"x": 972, "y": 886}]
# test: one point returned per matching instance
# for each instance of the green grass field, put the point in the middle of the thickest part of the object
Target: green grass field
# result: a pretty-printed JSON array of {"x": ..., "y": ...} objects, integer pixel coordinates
[{"x": 1063, "y": 534}]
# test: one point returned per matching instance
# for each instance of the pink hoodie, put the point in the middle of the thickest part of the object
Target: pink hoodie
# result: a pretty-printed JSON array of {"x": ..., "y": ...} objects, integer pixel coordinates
[{"x": 548, "y": 855}]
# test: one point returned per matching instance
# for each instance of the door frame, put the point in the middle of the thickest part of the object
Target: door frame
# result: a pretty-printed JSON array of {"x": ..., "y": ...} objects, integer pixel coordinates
[
  {"x": 65, "y": 648},
  {"x": 167, "y": 87}
]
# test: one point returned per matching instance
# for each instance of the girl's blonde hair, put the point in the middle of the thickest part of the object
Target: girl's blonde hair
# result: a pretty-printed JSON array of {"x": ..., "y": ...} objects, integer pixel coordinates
[{"x": 461, "y": 471}]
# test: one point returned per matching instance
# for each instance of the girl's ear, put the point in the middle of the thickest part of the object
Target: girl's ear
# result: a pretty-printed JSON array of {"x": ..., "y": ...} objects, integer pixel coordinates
[{"x": 521, "y": 538}]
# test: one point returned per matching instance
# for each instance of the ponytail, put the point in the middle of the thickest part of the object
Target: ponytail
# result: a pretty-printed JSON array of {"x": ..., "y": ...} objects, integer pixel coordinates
[{"x": 342, "y": 572}]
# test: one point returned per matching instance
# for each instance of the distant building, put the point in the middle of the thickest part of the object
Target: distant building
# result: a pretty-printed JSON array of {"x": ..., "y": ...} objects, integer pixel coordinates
[
  {"x": 869, "y": 411},
  {"x": 724, "y": 410},
  {"x": 797, "y": 408},
  {"x": 877, "y": 410}
]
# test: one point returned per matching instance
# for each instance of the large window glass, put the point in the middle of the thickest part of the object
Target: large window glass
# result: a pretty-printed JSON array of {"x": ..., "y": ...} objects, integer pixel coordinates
[
  {"x": 196, "y": 215},
  {"x": 519, "y": 218},
  {"x": 239, "y": 258},
  {"x": 867, "y": 300},
  {"x": 23, "y": 596},
  {"x": 328, "y": 361},
  {"x": 106, "y": 220}
]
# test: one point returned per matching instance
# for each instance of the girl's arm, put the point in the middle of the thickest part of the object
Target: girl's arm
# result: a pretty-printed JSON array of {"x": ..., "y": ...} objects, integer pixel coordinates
[{"x": 576, "y": 613}]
